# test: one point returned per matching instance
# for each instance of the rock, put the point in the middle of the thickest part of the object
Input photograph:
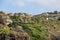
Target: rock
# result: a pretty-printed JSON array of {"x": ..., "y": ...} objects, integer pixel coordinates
[
  {"x": 5, "y": 19},
  {"x": 25, "y": 18},
  {"x": 15, "y": 34}
]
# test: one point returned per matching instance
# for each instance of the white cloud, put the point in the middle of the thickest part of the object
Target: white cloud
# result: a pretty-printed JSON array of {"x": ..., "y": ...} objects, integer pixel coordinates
[
  {"x": 46, "y": 3},
  {"x": 18, "y": 2}
]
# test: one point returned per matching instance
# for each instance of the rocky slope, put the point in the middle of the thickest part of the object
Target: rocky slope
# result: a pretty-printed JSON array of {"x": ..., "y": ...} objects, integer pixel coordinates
[
  {"x": 22, "y": 26},
  {"x": 50, "y": 15},
  {"x": 23, "y": 18},
  {"x": 7, "y": 32}
]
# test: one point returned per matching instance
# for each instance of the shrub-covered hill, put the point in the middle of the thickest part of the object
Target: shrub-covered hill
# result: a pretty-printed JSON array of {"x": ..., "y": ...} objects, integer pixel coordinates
[
  {"x": 22, "y": 26},
  {"x": 9, "y": 30}
]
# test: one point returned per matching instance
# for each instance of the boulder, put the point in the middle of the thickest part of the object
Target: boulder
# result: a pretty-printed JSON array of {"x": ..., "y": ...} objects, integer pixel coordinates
[{"x": 5, "y": 19}]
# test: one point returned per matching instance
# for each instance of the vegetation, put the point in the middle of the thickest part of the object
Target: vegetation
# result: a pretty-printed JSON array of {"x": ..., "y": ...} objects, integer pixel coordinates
[
  {"x": 4, "y": 30},
  {"x": 38, "y": 29}
]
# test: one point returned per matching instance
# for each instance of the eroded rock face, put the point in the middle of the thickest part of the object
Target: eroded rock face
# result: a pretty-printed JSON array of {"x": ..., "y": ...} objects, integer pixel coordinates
[
  {"x": 55, "y": 38},
  {"x": 5, "y": 19},
  {"x": 15, "y": 34},
  {"x": 25, "y": 18}
]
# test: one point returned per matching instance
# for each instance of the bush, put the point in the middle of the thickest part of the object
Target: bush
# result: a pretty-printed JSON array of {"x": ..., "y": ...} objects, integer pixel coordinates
[{"x": 4, "y": 30}]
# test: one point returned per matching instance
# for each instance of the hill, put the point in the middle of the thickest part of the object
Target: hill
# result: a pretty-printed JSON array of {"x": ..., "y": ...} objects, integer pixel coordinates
[{"x": 22, "y": 26}]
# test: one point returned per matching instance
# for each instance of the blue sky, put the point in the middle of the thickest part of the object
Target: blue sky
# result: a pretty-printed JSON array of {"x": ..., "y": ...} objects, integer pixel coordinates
[{"x": 29, "y": 6}]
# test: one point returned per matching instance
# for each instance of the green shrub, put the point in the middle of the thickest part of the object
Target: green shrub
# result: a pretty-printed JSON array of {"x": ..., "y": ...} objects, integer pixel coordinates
[{"x": 4, "y": 30}]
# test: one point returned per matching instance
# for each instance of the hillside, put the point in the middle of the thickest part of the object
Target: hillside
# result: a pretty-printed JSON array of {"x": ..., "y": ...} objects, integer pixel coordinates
[{"x": 22, "y": 26}]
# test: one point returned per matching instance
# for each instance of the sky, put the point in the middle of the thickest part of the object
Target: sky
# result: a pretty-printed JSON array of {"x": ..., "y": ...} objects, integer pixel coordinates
[{"x": 29, "y": 6}]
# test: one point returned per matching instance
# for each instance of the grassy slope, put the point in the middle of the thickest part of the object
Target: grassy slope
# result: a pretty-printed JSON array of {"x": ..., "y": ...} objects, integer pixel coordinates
[
  {"x": 35, "y": 31},
  {"x": 39, "y": 31}
]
